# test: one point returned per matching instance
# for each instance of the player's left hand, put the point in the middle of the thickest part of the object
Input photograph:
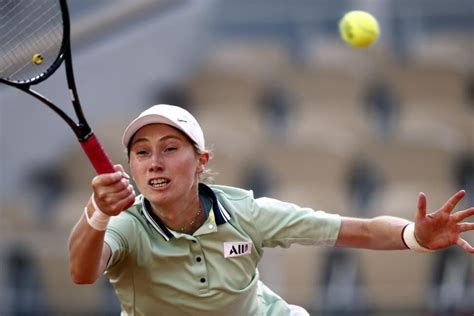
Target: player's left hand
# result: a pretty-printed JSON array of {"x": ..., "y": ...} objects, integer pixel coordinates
[{"x": 443, "y": 228}]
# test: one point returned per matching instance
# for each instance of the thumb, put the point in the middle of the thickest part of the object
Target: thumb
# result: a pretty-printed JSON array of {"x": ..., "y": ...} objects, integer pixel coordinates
[
  {"x": 119, "y": 167},
  {"x": 421, "y": 206}
]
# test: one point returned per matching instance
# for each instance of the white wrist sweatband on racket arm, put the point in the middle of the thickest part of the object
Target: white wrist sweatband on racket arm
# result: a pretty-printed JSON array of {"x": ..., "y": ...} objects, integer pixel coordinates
[
  {"x": 408, "y": 237},
  {"x": 99, "y": 219}
]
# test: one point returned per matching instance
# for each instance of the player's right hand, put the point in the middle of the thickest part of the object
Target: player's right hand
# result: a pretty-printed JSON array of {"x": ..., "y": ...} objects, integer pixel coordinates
[{"x": 113, "y": 192}]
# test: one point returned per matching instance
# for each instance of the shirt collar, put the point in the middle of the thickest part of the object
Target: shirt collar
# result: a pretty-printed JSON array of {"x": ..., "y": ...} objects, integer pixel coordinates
[{"x": 205, "y": 193}]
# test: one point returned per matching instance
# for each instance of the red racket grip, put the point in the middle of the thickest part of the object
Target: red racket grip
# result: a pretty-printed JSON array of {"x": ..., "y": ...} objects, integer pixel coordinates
[{"x": 97, "y": 155}]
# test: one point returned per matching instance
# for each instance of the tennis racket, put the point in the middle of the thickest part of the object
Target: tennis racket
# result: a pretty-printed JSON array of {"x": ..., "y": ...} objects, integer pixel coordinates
[{"x": 34, "y": 42}]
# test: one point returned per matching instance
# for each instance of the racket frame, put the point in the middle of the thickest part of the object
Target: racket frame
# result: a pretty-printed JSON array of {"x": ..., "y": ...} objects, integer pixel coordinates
[{"x": 81, "y": 128}]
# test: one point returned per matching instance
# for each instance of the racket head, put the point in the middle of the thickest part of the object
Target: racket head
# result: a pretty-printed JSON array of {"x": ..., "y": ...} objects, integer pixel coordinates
[{"x": 34, "y": 36}]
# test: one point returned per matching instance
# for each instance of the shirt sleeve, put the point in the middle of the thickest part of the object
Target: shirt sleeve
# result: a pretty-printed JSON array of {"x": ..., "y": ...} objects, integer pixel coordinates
[
  {"x": 118, "y": 236},
  {"x": 283, "y": 224}
]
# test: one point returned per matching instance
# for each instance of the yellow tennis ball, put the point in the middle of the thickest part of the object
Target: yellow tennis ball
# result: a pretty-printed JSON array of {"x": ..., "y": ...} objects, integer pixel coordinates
[
  {"x": 359, "y": 28},
  {"x": 37, "y": 59}
]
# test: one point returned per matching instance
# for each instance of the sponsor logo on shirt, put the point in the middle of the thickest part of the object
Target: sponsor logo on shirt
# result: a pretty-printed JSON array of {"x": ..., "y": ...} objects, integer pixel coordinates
[{"x": 237, "y": 249}]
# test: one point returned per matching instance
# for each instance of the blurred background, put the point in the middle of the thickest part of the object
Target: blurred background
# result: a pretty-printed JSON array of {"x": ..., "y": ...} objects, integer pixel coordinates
[{"x": 290, "y": 112}]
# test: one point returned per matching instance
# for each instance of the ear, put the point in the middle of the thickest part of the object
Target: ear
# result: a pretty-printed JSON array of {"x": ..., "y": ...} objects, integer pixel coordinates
[{"x": 203, "y": 159}]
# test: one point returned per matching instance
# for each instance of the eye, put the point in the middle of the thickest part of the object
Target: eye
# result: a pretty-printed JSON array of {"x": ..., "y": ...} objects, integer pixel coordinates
[
  {"x": 141, "y": 153},
  {"x": 170, "y": 148}
]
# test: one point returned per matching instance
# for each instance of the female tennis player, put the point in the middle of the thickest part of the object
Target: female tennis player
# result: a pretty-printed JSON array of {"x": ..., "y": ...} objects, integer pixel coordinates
[{"x": 188, "y": 248}]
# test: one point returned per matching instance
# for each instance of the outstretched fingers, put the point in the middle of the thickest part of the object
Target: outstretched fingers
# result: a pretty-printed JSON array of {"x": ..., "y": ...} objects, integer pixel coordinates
[
  {"x": 464, "y": 227},
  {"x": 449, "y": 206},
  {"x": 465, "y": 245},
  {"x": 462, "y": 215}
]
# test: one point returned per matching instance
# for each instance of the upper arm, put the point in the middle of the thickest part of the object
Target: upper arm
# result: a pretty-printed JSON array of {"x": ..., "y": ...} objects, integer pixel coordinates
[
  {"x": 104, "y": 260},
  {"x": 283, "y": 224},
  {"x": 119, "y": 240}
]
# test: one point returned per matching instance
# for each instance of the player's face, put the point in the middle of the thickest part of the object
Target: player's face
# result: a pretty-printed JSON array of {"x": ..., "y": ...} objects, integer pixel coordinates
[{"x": 165, "y": 165}]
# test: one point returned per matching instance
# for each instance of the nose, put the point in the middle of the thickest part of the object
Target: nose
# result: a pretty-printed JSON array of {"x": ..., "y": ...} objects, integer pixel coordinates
[{"x": 156, "y": 163}]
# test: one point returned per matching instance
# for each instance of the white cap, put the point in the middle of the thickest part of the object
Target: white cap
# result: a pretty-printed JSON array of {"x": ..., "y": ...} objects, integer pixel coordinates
[{"x": 170, "y": 115}]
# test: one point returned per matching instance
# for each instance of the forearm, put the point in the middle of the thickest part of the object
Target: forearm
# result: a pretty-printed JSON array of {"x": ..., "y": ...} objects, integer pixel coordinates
[
  {"x": 382, "y": 233},
  {"x": 86, "y": 252}
]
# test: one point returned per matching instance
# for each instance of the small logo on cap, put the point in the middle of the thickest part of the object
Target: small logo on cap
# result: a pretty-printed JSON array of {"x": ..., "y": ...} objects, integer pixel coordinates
[{"x": 181, "y": 120}]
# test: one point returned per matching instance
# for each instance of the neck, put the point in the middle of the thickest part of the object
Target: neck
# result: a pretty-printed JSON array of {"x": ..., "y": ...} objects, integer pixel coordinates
[{"x": 185, "y": 219}]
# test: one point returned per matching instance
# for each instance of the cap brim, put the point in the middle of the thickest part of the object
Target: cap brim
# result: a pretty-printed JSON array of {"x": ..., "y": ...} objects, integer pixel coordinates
[{"x": 142, "y": 121}]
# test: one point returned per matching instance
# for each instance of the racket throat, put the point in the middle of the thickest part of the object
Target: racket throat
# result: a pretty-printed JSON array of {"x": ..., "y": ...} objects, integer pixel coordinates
[{"x": 83, "y": 132}]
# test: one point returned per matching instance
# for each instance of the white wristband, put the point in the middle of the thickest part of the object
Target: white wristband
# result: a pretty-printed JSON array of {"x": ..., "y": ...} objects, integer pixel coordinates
[
  {"x": 99, "y": 219},
  {"x": 410, "y": 239}
]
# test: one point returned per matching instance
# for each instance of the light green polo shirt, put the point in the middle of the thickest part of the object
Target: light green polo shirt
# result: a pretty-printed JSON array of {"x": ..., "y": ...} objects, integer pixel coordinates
[{"x": 156, "y": 271}]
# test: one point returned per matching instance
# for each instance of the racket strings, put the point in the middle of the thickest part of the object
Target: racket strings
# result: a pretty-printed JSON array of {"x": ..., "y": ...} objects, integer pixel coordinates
[{"x": 31, "y": 35}]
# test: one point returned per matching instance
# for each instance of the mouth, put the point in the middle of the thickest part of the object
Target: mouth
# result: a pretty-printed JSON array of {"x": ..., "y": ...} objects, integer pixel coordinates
[{"x": 158, "y": 183}]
